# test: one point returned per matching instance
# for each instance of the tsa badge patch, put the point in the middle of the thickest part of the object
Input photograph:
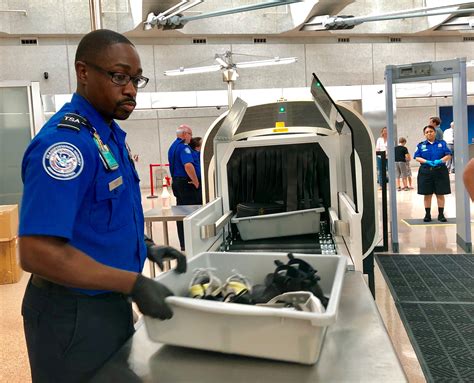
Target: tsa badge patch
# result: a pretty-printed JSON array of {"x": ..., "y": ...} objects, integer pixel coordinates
[
  {"x": 63, "y": 161},
  {"x": 187, "y": 150}
]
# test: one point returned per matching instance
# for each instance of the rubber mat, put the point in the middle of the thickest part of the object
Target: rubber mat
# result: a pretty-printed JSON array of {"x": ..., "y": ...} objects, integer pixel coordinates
[
  {"x": 434, "y": 222},
  {"x": 434, "y": 295}
]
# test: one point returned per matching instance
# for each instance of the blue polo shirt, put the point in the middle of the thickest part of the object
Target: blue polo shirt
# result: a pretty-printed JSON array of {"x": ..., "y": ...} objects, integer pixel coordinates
[
  {"x": 179, "y": 154},
  {"x": 197, "y": 163},
  {"x": 69, "y": 193},
  {"x": 432, "y": 151}
]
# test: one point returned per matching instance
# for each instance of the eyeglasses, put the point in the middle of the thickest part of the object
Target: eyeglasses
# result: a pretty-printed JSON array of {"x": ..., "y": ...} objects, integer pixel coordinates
[{"x": 122, "y": 79}]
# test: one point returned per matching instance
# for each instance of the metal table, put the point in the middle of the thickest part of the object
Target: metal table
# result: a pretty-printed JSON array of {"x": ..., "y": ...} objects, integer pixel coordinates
[
  {"x": 158, "y": 214},
  {"x": 356, "y": 349}
]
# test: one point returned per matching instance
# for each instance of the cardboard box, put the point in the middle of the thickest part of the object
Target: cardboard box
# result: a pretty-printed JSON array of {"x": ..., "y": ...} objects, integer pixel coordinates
[
  {"x": 8, "y": 222},
  {"x": 10, "y": 270}
]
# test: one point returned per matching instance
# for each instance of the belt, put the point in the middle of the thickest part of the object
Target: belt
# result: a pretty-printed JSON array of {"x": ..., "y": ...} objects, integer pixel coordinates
[
  {"x": 44, "y": 284},
  {"x": 49, "y": 286}
]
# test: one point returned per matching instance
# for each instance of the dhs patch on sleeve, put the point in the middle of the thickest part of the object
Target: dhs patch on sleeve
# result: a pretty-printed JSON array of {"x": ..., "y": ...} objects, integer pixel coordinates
[
  {"x": 187, "y": 150},
  {"x": 63, "y": 161}
]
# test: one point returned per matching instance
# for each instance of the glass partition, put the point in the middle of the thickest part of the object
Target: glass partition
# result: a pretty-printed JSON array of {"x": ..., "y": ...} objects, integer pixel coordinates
[{"x": 15, "y": 135}]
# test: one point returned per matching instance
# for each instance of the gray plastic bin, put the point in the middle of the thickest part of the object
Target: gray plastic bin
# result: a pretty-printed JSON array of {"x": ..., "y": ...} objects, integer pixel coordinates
[
  {"x": 297, "y": 222},
  {"x": 293, "y": 336}
]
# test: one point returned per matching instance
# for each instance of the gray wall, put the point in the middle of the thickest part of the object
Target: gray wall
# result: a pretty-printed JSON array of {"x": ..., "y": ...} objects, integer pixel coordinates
[{"x": 360, "y": 62}]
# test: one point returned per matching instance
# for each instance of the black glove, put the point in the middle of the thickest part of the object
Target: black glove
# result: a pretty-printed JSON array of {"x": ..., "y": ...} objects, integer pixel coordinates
[
  {"x": 159, "y": 254},
  {"x": 149, "y": 295}
]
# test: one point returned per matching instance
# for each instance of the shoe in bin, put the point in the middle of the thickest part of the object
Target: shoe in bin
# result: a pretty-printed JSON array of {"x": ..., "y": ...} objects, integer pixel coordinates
[
  {"x": 237, "y": 289},
  {"x": 205, "y": 285}
]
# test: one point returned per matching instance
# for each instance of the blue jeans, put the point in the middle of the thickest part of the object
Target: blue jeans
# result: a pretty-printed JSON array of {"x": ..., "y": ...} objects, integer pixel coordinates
[{"x": 379, "y": 170}]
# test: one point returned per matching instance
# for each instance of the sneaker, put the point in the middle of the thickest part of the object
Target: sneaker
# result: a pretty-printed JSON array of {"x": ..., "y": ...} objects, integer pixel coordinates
[
  {"x": 399, "y": 189},
  {"x": 427, "y": 218},
  {"x": 297, "y": 301},
  {"x": 442, "y": 218},
  {"x": 205, "y": 285},
  {"x": 237, "y": 289},
  {"x": 406, "y": 188}
]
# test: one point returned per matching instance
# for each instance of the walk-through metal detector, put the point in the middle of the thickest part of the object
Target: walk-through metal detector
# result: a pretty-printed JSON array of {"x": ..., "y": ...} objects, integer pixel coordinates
[{"x": 428, "y": 71}]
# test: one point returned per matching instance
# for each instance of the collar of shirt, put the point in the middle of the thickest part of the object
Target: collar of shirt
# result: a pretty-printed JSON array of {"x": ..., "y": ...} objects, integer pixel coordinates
[{"x": 85, "y": 109}]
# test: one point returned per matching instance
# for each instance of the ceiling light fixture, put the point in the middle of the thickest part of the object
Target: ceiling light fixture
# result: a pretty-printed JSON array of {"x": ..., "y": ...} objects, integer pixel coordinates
[{"x": 229, "y": 68}]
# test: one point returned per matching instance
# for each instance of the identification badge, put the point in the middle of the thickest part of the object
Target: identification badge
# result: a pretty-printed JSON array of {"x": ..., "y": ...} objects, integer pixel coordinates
[
  {"x": 105, "y": 154},
  {"x": 115, "y": 183}
]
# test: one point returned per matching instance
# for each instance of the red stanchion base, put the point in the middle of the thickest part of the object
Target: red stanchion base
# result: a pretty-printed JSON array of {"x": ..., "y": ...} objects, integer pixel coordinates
[{"x": 151, "y": 196}]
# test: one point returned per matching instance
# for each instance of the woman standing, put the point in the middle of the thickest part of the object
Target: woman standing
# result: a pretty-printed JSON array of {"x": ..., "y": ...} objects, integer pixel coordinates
[
  {"x": 433, "y": 176},
  {"x": 381, "y": 146}
]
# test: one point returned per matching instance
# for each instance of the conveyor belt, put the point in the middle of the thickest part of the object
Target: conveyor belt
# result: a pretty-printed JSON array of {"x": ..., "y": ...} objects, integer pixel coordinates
[{"x": 305, "y": 244}]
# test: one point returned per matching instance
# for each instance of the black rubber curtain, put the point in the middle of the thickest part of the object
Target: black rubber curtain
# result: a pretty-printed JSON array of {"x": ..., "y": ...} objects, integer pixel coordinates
[{"x": 296, "y": 175}]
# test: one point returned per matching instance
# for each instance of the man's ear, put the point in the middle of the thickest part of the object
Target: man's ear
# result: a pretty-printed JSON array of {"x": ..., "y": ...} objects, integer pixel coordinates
[{"x": 81, "y": 71}]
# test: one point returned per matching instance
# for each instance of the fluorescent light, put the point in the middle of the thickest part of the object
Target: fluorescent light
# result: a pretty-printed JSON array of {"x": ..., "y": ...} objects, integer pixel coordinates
[
  {"x": 202, "y": 69},
  {"x": 274, "y": 61}
]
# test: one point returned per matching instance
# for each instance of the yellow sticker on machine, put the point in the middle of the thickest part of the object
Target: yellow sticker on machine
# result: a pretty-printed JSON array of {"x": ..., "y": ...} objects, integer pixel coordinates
[{"x": 280, "y": 127}]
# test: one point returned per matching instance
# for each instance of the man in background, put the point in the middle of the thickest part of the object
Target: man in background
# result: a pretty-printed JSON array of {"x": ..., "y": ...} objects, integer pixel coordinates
[
  {"x": 185, "y": 183},
  {"x": 449, "y": 138},
  {"x": 435, "y": 123}
]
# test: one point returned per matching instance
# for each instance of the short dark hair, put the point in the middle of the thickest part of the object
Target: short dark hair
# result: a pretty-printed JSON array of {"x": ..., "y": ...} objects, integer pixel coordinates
[
  {"x": 402, "y": 140},
  {"x": 94, "y": 42},
  {"x": 430, "y": 127},
  {"x": 195, "y": 142},
  {"x": 436, "y": 120}
]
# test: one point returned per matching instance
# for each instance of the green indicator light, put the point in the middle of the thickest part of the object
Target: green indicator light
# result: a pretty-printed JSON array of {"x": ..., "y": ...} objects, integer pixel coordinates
[
  {"x": 318, "y": 84},
  {"x": 282, "y": 109}
]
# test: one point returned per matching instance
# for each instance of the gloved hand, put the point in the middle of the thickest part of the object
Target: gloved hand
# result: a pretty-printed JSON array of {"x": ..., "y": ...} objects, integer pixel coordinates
[
  {"x": 149, "y": 295},
  {"x": 159, "y": 254},
  {"x": 429, "y": 163},
  {"x": 438, "y": 162}
]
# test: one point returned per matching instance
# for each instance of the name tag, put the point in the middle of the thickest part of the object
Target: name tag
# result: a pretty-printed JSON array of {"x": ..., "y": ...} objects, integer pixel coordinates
[{"x": 115, "y": 183}]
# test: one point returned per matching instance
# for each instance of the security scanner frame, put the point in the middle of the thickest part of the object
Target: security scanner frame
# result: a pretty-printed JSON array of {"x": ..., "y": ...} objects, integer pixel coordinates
[
  {"x": 428, "y": 71},
  {"x": 348, "y": 147}
]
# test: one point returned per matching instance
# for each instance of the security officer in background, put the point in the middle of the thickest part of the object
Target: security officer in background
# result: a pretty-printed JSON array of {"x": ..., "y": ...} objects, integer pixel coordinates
[
  {"x": 81, "y": 223},
  {"x": 433, "y": 175},
  {"x": 183, "y": 171}
]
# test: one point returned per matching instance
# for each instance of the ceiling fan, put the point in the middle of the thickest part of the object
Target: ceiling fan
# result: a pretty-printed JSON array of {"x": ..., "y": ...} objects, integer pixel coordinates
[
  {"x": 229, "y": 68},
  {"x": 327, "y": 22},
  {"x": 172, "y": 18}
]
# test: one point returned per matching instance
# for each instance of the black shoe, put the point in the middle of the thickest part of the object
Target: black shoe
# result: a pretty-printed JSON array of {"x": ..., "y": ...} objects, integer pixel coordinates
[
  {"x": 442, "y": 218},
  {"x": 427, "y": 218}
]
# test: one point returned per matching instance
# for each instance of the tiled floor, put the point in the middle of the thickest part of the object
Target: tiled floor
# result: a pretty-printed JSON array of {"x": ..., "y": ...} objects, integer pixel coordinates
[{"x": 413, "y": 240}]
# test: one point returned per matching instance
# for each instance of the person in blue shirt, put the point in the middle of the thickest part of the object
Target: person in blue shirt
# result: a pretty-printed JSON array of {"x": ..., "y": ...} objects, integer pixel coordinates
[
  {"x": 433, "y": 175},
  {"x": 195, "y": 144},
  {"x": 81, "y": 222},
  {"x": 185, "y": 182}
]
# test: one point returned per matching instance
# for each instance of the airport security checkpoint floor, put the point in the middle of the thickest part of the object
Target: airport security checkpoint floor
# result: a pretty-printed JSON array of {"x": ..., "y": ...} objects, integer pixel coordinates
[{"x": 413, "y": 240}]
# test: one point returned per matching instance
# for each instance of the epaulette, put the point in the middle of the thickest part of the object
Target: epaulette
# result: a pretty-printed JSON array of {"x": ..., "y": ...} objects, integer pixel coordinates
[{"x": 72, "y": 121}]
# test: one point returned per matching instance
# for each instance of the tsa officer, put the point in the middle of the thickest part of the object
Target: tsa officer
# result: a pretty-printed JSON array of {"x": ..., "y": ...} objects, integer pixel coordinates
[
  {"x": 433, "y": 176},
  {"x": 185, "y": 183},
  {"x": 81, "y": 222}
]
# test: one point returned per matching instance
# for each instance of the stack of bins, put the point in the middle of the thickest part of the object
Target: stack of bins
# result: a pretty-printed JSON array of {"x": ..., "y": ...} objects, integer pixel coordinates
[{"x": 10, "y": 271}]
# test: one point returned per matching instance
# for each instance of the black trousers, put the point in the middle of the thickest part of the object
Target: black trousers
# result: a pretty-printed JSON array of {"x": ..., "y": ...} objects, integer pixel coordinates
[
  {"x": 186, "y": 194},
  {"x": 69, "y": 336}
]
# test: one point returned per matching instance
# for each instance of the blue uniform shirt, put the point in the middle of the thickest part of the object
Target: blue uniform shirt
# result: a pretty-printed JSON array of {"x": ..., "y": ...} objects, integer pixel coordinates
[
  {"x": 179, "y": 154},
  {"x": 432, "y": 151},
  {"x": 197, "y": 163},
  {"x": 68, "y": 192}
]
